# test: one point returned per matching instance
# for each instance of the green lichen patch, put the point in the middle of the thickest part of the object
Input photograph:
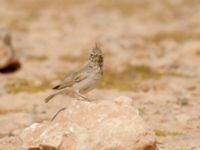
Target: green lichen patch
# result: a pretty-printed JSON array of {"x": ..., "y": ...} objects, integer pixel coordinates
[
  {"x": 17, "y": 85},
  {"x": 163, "y": 133},
  {"x": 141, "y": 111},
  {"x": 183, "y": 101},
  {"x": 117, "y": 81},
  {"x": 37, "y": 58},
  {"x": 6, "y": 111},
  {"x": 142, "y": 72},
  {"x": 132, "y": 77},
  {"x": 70, "y": 58}
]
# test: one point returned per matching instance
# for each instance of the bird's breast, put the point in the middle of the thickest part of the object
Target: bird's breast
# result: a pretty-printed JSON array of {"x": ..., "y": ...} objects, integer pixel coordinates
[{"x": 88, "y": 84}]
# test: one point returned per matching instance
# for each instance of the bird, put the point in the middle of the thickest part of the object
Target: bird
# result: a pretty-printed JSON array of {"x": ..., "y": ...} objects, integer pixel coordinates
[
  {"x": 83, "y": 80},
  {"x": 7, "y": 53}
]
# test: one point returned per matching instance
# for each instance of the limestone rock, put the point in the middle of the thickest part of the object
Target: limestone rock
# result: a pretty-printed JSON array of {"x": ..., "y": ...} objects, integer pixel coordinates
[
  {"x": 10, "y": 143},
  {"x": 102, "y": 125},
  {"x": 7, "y": 54}
]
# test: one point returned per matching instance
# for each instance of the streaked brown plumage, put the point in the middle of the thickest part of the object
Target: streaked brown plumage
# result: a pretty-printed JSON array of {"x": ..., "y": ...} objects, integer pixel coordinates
[{"x": 85, "y": 79}]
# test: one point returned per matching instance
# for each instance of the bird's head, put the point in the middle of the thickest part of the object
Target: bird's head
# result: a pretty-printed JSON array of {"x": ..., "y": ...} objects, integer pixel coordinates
[{"x": 96, "y": 56}]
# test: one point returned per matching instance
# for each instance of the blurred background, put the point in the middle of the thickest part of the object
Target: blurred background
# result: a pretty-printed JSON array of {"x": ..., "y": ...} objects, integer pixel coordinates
[{"x": 151, "y": 51}]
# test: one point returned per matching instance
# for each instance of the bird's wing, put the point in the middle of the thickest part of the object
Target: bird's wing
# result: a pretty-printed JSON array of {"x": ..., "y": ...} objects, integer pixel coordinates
[{"x": 71, "y": 79}]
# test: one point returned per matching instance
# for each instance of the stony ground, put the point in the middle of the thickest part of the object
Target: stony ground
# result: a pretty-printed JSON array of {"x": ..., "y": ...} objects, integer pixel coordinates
[{"x": 151, "y": 50}]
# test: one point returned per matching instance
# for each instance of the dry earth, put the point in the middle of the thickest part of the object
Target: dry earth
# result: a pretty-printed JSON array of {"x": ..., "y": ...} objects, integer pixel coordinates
[{"x": 152, "y": 54}]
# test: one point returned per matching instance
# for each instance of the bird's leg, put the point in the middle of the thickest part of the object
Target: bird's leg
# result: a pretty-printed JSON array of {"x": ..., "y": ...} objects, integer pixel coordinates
[{"x": 79, "y": 95}]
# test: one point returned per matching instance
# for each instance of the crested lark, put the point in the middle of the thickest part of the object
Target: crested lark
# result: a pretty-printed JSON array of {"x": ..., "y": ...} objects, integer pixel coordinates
[{"x": 84, "y": 80}]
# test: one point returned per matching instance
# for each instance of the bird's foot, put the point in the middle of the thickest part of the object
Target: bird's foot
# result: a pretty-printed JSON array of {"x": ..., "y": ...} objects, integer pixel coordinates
[{"x": 82, "y": 97}]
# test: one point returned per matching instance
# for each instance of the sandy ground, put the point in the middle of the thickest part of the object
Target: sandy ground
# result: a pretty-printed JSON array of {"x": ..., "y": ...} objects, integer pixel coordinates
[{"x": 151, "y": 50}]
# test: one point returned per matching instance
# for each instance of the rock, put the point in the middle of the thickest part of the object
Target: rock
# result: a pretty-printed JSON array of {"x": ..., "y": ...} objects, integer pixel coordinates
[
  {"x": 7, "y": 54},
  {"x": 103, "y": 125},
  {"x": 13, "y": 123},
  {"x": 10, "y": 143}
]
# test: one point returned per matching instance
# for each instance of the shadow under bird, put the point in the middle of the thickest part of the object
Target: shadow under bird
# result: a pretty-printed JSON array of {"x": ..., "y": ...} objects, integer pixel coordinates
[{"x": 84, "y": 80}]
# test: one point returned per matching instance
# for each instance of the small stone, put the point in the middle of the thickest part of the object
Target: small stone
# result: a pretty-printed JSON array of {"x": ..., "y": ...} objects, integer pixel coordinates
[
  {"x": 123, "y": 100},
  {"x": 7, "y": 53}
]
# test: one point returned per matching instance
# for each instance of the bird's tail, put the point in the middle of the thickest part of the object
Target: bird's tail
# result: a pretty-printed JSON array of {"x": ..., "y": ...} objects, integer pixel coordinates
[
  {"x": 51, "y": 96},
  {"x": 54, "y": 94},
  {"x": 59, "y": 87}
]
